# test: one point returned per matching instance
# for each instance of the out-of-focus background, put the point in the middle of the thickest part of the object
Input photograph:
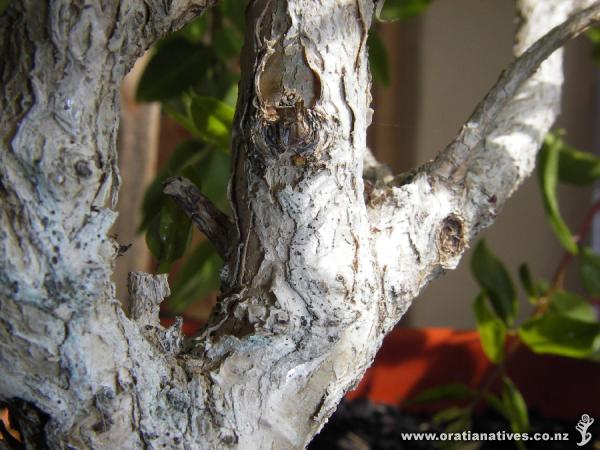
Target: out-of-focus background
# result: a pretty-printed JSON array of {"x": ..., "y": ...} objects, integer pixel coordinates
[{"x": 442, "y": 63}]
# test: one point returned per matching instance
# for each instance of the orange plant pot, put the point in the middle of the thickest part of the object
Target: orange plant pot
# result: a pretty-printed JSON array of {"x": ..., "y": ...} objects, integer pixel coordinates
[{"x": 412, "y": 360}]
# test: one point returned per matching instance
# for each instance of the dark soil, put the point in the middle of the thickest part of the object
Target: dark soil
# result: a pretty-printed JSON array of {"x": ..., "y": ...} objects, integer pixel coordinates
[{"x": 361, "y": 425}]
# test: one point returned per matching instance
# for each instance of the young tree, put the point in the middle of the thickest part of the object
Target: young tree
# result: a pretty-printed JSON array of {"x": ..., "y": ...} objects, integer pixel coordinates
[{"x": 324, "y": 254}]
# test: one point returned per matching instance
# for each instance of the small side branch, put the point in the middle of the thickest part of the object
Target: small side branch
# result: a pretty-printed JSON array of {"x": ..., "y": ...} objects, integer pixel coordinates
[
  {"x": 430, "y": 216},
  {"x": 215, "y": 224},
  {"x": 484, "y": 118},
  {"x": 147, "y": 292}
]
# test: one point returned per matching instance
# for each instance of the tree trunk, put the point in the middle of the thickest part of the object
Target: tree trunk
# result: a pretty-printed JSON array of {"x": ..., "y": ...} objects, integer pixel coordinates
[{"x": 318, "y": 268}]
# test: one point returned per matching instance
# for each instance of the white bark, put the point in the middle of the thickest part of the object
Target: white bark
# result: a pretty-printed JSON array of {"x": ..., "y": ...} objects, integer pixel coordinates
[
  {"x": 314, "y": 275},
  {"x": 429, "y": 216}
]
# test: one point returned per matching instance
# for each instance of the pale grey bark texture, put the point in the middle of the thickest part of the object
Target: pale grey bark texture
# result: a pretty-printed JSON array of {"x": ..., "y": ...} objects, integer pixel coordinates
[{"x": 318, "y": 268}]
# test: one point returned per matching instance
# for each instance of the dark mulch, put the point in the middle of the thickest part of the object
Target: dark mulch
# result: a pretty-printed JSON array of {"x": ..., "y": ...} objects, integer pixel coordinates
[{"x": 362, "y": 425}]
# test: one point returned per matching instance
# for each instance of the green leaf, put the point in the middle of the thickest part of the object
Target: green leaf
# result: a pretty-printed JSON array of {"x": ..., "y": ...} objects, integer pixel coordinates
[
  {"x": 227, "y": 43},
  {"x": 458, "y": 425},
  {"x": 235, "y": 11},
  {"x": 560, "y": 334},
  {"x": 393, "y": 10},
  {"x": 3, "y": 5},
  {"x": 378, "y": 58},
  {"x": 213, "y": 120},
  {"x": 212, "y": 176},
  {"x": 542, "y": 287},
  {"x": 589, "y": 271},
  {"x": 446, "y": 392},
  {"x": 450, "y": 414},
  {"x": 572, "y": 306},
  {"x": 593, "y": 35},
  {"x": 179, "y": 110},
  {"x": 493, "y": 277},
  {"x": 189, "y": 153},
  {"x": 527, "y": 282},
  {"x": 514, "y": 406},
  {"x": 577, "y": 167},
  {"x": 198, "y": 277},
  {"x": 169, "y": 234},
  {"x": 548, "y": 159},
  {"x": 175, "y": 66},
  {"x": 496, "y": 403},
  {"x": 194, "y": 31},
  {"x": 492, "y": 331}
]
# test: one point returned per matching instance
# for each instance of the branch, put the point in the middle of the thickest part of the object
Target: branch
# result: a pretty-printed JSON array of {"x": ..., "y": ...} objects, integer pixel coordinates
[
  {"x": 140, "y": 24},
  {"x": 147, "y": 292},
  {"x": 486, "y": 116},
  {"x": 216, "y": 225},
  {"x": 428, "y": 219}
]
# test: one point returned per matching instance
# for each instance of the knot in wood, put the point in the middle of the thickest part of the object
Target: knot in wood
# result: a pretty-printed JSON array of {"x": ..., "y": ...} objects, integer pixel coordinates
[
  {"x": 290, "y": 126},
  {"x": 451, "y": 237}
]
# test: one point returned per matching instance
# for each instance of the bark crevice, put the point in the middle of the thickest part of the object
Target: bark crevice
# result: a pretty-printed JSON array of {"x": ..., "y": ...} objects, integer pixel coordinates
[{"x": 315, "y": 275}]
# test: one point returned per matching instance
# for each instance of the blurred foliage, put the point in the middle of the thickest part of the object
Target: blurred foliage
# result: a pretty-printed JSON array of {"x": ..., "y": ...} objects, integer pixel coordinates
[
  {"x": 194, "y": 74},
  {"x": 593, "y": 35},
  {"x": 3, "y": 5},
  {"x": 394, "y": 10},
  {"x": 548, "y": 176},
  {"x": 389, "y": 11},
  {"x": 378, "y": 59},
  {"x": 562, "y": 323}
]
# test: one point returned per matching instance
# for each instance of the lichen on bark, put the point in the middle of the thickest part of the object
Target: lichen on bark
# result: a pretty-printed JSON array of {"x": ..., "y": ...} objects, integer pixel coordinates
[{"x": 314, "y": 276}]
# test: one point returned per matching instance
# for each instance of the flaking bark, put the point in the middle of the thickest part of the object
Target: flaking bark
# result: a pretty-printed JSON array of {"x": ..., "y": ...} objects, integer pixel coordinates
[{"x": 314, "y": 275}]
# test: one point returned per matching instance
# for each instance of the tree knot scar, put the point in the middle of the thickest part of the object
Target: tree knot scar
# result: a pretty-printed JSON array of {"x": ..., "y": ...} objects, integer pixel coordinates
[
  {"x": 288, "y": 90},
  {"x": 451, "y": 240},
  {"x": 289, "y": 126}
]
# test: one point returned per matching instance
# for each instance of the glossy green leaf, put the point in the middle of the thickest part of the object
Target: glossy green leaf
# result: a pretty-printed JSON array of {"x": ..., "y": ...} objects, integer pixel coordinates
[
  {"x": 514, "y": 406},
  {"x": 195, "y": 30},
  {"x": 593, "y": 35},
  {"x": 176, "y": 65},
  {"x": 179, "y": 110},
  {"x": 198, "y": 277},
  {"x": 188, "y": 153},
  {"x": 589, "y": 271},
  {"x": 548, "y": 159},
  {"x": 559, "y": 334},
  {"x": 445, "y": 392},
  {"x": 169, "y": 234},
  {"x": 493, "y": 277},
  {"x": 393, "y": 10},
  {"x": 527, "y": 282},
  {"x": 577, "y": 167},
  {"x": 492, "y": 330},
  {"x": 378, "y": 58},
  {"x": 572, "y": 306},
  {"x": 230, "y": 97},
  {"x": 213, "y": 120},
  {"x": 213, "y": 178}
]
